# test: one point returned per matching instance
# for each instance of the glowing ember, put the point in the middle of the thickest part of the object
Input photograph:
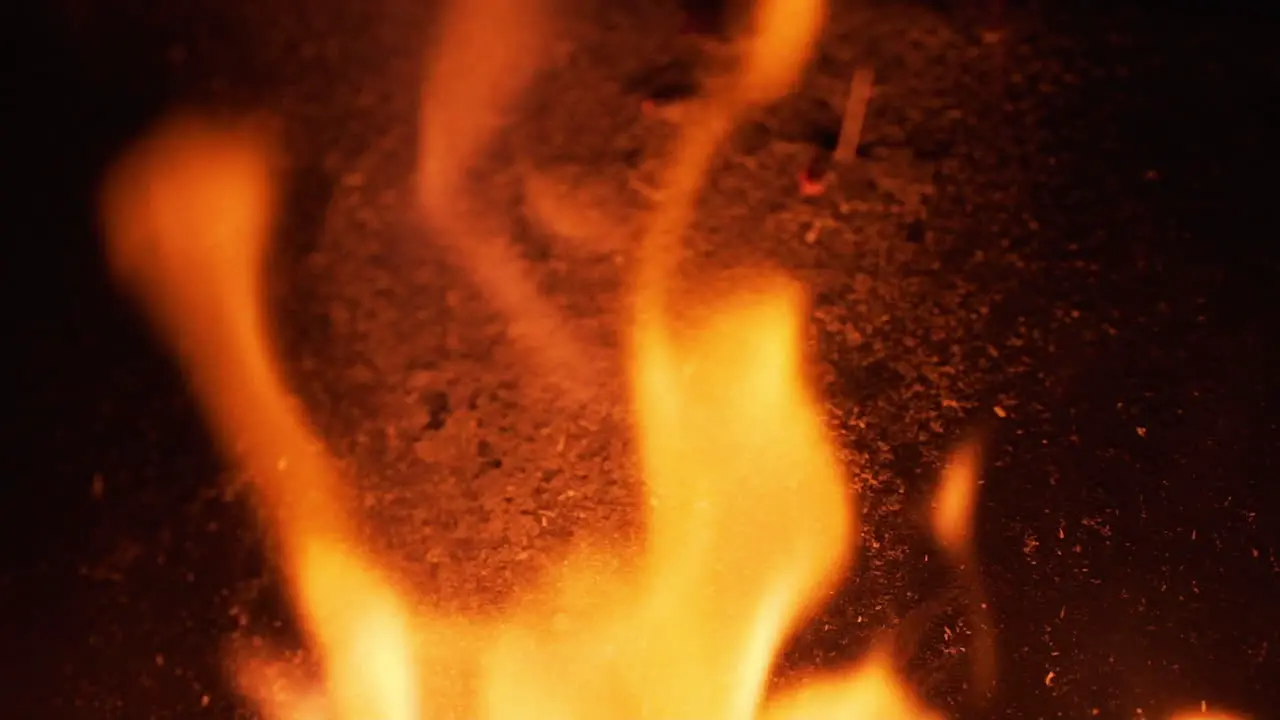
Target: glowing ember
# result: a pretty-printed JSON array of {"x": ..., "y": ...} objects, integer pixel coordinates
[{"x": 750, "y": 521}]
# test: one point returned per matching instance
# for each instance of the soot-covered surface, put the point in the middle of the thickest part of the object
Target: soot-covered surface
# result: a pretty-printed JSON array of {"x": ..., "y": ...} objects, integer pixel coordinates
[{"x": 1088, "y": 276}]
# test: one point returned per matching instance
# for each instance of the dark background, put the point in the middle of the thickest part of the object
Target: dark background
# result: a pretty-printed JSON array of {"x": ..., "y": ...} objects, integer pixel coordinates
[{"x": 1175, "y": 602}]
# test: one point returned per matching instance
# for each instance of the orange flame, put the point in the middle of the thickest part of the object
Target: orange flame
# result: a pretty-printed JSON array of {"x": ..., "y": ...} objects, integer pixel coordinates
[
  {"x": 750, "y": 520},
  {"x": 188, "y": 216},
  {"x": 749, "y": 516},
  {"x": 952, "y": 517}
]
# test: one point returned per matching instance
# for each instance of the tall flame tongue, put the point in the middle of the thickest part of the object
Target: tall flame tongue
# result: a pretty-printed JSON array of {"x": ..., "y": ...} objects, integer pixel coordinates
[
  {"x": 188, "y": 215},
  {"x": 749, "y": 516}
]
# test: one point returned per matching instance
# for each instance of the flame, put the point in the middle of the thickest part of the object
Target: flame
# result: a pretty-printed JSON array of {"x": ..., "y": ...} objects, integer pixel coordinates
[
  {"x": 954, "y": 505},
  {"x": 188, "y": 215},
  {"x": 952, "y": 519},
  {"x": 750, "y": 519}
]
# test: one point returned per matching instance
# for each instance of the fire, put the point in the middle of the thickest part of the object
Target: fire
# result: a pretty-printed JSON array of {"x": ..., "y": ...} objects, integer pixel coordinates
[{"x": 750, "y": 518}]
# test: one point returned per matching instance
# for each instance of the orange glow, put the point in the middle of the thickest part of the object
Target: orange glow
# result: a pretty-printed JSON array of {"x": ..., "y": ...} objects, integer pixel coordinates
[
  {"x": 953, "y": 508},
  {"x": 1203, "y": 714},
  {"x": 952, "y": 520},
  {"x": 750, "y": 522}
]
